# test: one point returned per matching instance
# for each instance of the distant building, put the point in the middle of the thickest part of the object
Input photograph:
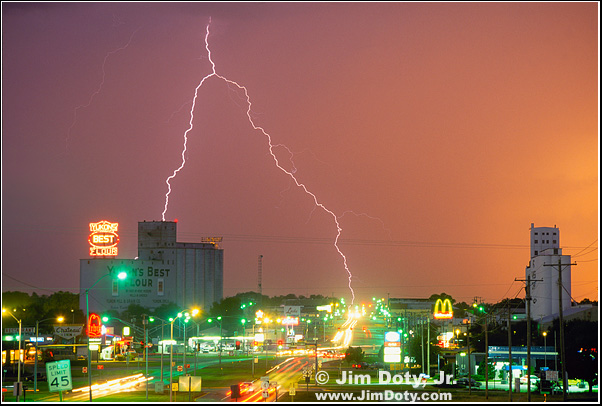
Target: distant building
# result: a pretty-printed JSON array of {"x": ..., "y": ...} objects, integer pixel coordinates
[
  {"x": 546, "y": 254},
  {"x": 188, "y": 274}
]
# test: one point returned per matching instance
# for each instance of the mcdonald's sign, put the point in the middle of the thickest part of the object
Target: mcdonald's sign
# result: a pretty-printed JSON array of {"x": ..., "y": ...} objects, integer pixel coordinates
[{"x": 443, "y": 309}]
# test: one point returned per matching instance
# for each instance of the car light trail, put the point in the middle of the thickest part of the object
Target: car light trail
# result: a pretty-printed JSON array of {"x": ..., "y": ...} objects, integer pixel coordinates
[
  {"x": 125, "y": 384},
  {"x": 271, "y": 147}
]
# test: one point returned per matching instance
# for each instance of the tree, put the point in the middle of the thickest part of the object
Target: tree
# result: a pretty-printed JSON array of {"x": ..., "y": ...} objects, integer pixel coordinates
[
  {"x": 490, "y": 368},
  {"x": 582, "y": 350},
  {"x": 165, "y": 311},
  {"x": 59, "y": 304},
  {"x": 415, "y": 346},
  {"x": 134, "y": 313},
  {"x": 442, "y": 296}
]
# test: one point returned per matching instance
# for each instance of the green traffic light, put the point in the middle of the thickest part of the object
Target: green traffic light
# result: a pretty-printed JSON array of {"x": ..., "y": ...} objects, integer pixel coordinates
[
  {"x": 105, "y": 318},
  {"x": 210, "y": 320}
]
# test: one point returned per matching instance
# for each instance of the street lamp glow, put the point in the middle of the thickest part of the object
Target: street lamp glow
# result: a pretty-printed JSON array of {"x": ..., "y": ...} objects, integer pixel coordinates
[
  {"x": 122, "y": 275},
  {"x": 19, "y": 353},
  {"x": 171, "y": 322}
]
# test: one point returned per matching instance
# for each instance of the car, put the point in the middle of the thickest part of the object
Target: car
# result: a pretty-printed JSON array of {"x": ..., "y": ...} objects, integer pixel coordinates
[
  {"x": 378, "y": 365},
  {"x": 361, "y": 365},
  {"x": 464, "y": 382},
  {"x": 534, "y": 379},
  {"x": 246, "y": 387}
]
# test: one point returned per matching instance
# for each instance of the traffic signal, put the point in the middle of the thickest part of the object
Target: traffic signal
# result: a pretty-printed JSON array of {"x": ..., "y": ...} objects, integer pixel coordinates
[{"x": 238, "y": 345}]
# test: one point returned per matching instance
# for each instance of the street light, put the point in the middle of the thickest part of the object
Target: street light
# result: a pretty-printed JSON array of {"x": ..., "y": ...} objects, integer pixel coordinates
[
  {"x": 172, "y": 320},
  {"x": 545, "y": 350},
  {"x": 152, "y": 319},
  {"x": 35, "y": 368},
  {"x": 121, "y": 275},
  {"x": 18, "y": 356},
  {"x": 219, "y": 320}
]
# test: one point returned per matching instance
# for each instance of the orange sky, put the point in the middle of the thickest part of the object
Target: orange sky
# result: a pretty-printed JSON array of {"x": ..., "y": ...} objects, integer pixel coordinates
[{"x": 447, "y": 128}]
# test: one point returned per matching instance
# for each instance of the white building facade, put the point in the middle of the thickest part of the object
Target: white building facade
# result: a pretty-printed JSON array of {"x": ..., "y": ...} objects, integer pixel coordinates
[
  {"x": 546, "y": 255},
  {"x": 187, "y": 274}
]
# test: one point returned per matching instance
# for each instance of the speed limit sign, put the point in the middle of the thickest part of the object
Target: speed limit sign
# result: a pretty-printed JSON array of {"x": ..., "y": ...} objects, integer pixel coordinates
[{"x": 58, "y": 374}]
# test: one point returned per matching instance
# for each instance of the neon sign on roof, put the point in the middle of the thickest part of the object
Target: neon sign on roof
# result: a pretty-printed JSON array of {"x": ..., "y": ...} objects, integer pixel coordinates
[
  {"x": 94, "y": 326},
  {"x": 443, "y": 309},
  {"x": 103, "y": 239}
]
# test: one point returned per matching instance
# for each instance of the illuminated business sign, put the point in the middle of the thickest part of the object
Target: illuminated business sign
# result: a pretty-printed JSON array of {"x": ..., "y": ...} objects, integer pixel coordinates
[
  {"x": 94, "y": 326},
  {"x": 392, "y": 347},
  {"x": 290, "y": 321},
  {"x": 443, "y": 309},
  {"x": 103, "y": 239}
]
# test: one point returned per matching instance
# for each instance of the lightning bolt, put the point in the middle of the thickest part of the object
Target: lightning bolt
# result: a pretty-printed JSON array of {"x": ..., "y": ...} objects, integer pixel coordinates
[
  {"x": 290, "y": 173},
  {"x": 97, "y": 91}
]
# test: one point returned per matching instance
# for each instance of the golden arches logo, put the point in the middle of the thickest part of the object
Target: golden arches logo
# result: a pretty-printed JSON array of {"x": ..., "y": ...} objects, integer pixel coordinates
[{"x": 443, "y": 309}]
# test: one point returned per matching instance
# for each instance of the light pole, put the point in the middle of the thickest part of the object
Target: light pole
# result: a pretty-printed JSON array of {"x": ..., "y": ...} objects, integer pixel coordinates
[
  {"x": 185, "y": 345},
  {"x": 545, "y": 350},
  {"x": 121, "y": 275},
  {"x": 152, "y": 319},
  {"x": 144, "y": 323},
  {"x": 18, "y": 356},
  {"x": 219, "y": 320},
  {"x": 35, "y": 367},
  {"x": 172, "y": 321}
]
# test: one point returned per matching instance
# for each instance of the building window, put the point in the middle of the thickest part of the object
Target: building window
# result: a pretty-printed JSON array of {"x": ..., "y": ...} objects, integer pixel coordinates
[
  {"x": 535, "y": 241},
  {"x": 115, "y": 288},
  {"x": 554, "y": 241},
  {"x": 535, "y": 252},
  {"x": 535, "y": 233},
  {"x": 160, "y": 287}
]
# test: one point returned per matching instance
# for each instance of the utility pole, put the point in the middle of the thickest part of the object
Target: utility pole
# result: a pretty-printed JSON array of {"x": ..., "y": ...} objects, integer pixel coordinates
[
  {"x": 510, "y": 376},
  {"x": 422, "y": 343},
  {"x": 428, "y": 345},
  {"x": 468, "y": 351},
  {"x": 259, "y": 278},
  {"x": 561, "y": 322},
  {"x": 528, "y": 300},
  {"x": 486, "y": 360}
]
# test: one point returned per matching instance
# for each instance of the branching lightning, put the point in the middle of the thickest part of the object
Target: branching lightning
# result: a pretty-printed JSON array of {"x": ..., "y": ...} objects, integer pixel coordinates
[
  {"x": 289, "y": 173},
  {"x": 97, "y": 91}
]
